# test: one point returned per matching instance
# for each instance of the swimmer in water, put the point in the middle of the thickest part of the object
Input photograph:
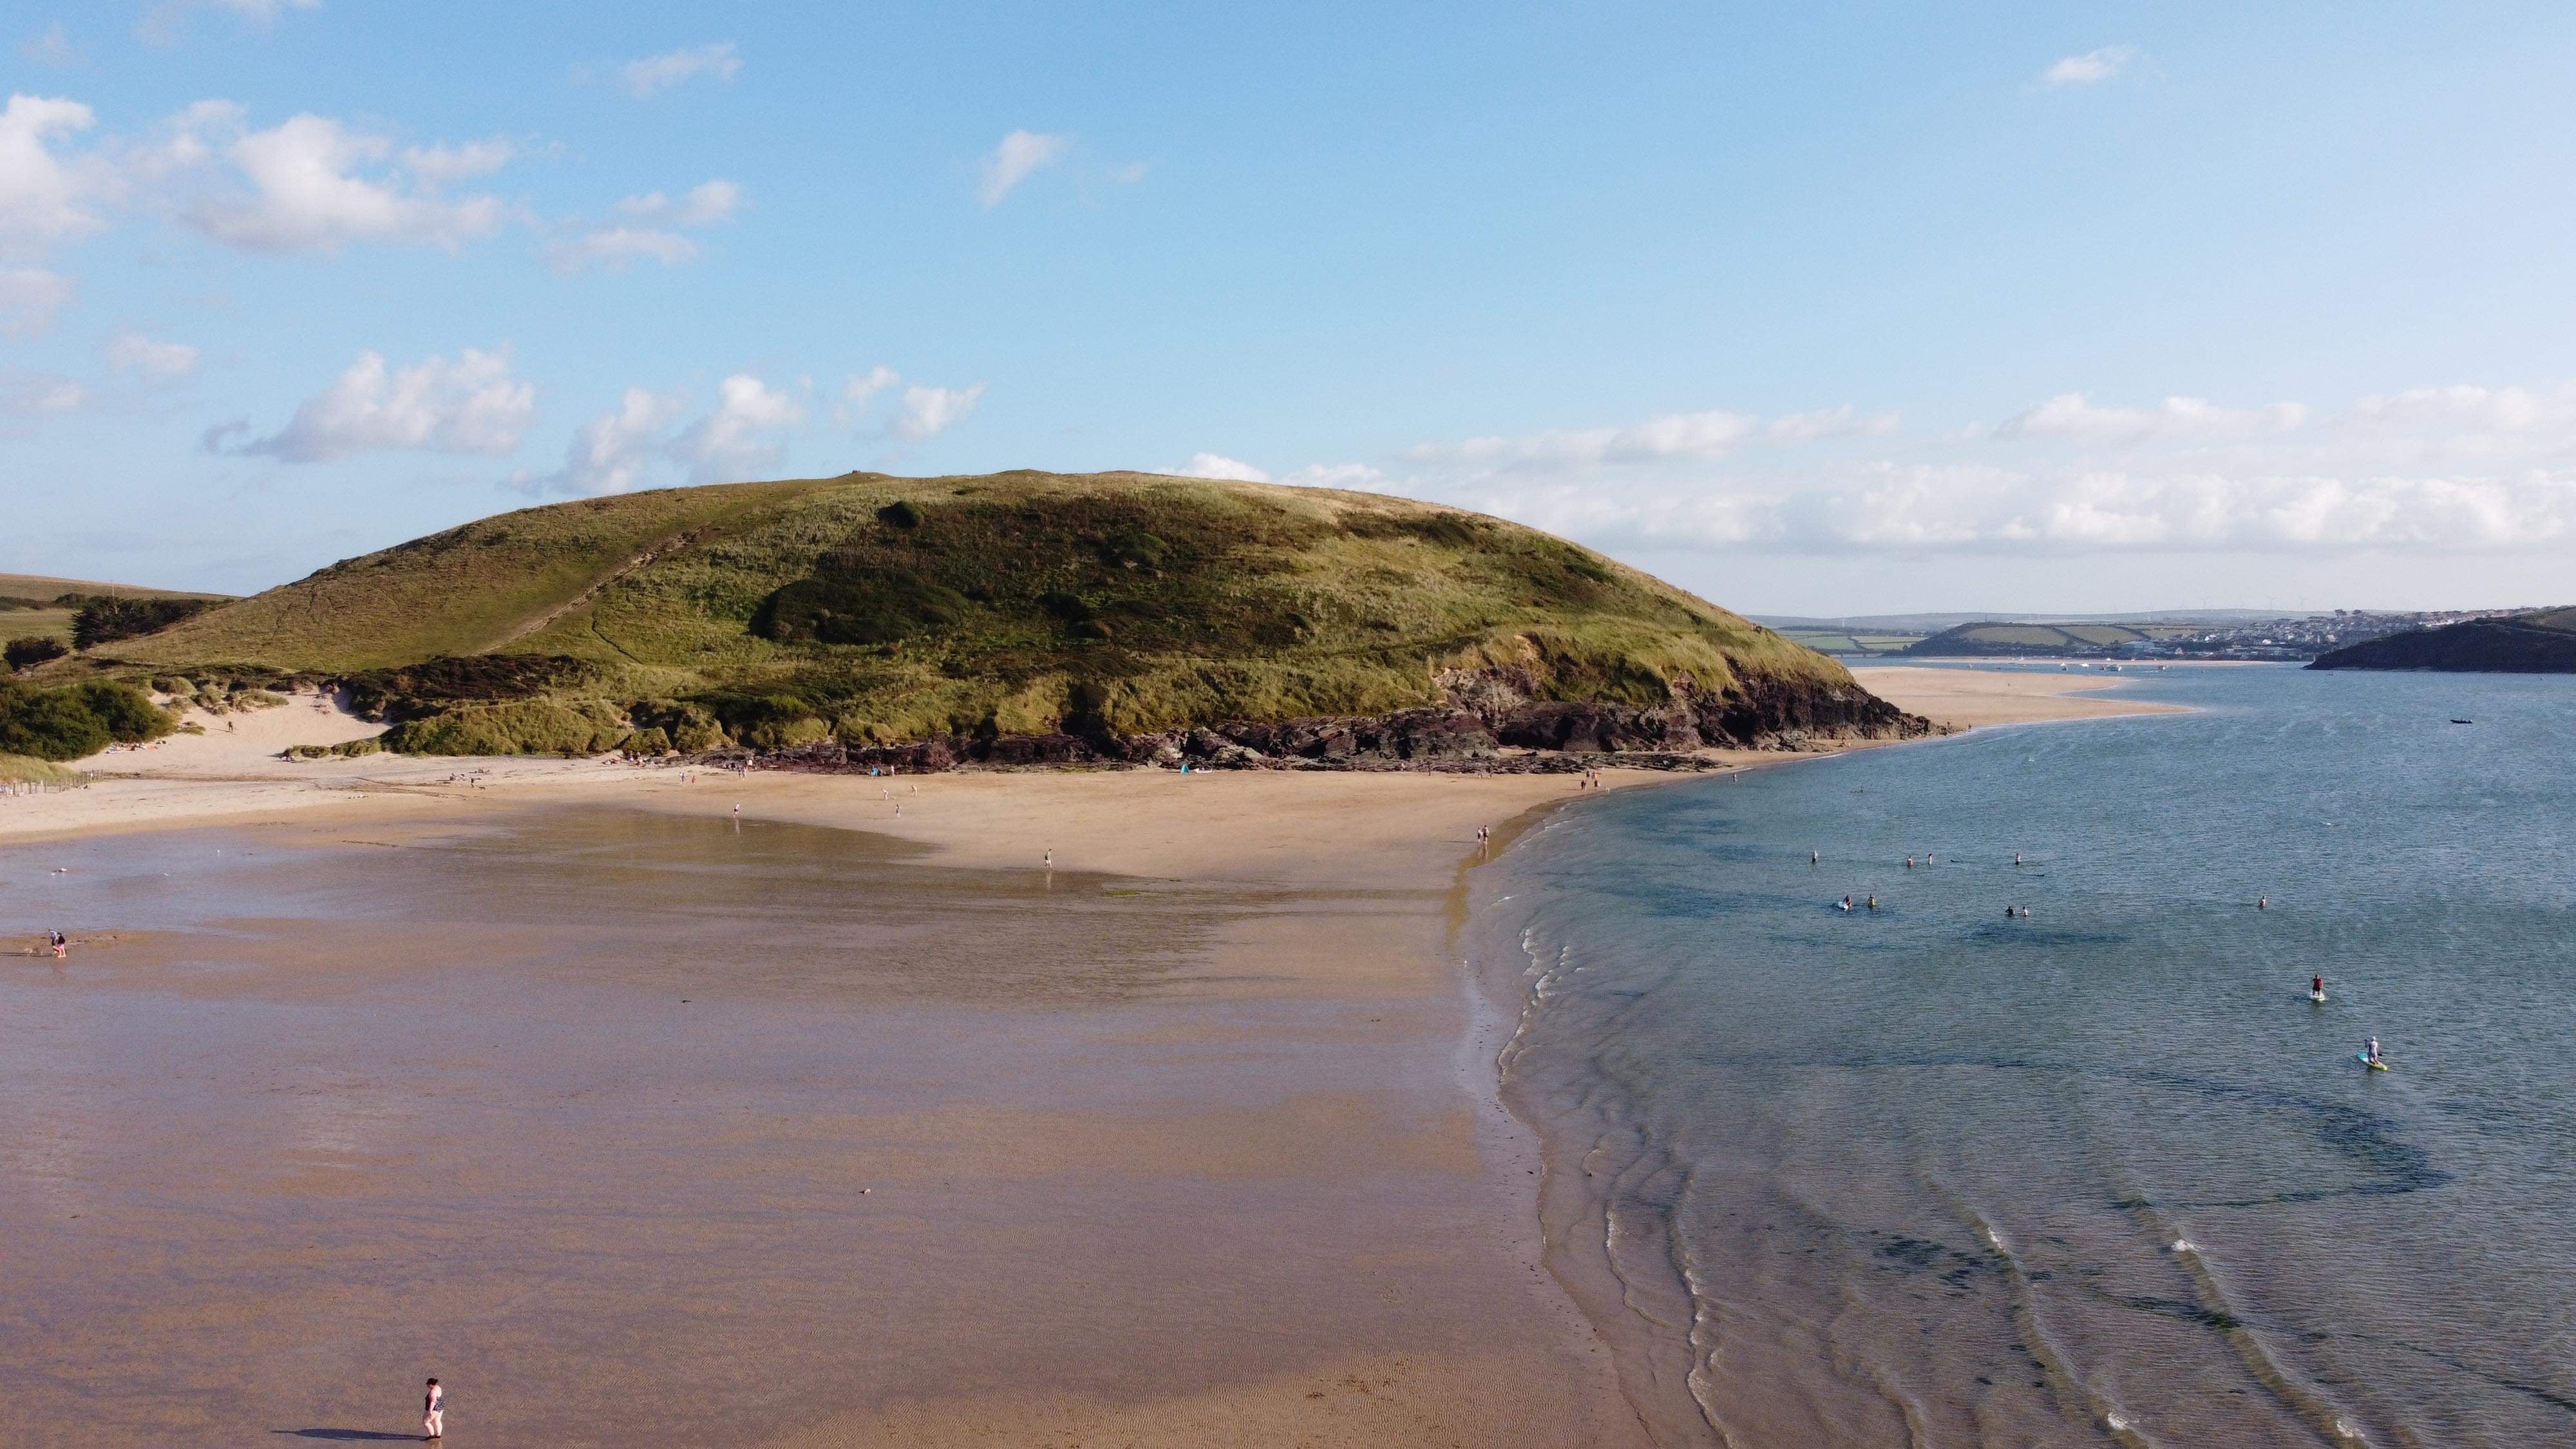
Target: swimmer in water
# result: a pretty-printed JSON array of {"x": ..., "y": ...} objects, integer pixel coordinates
[
  {"x": 1813, "y": 858},
  {"x": 1873, "y": 903},
  {"x": 1846, "y": 903},
  {"x": 2262, "y": 903},
  {"x": 1909, "y": 862}
]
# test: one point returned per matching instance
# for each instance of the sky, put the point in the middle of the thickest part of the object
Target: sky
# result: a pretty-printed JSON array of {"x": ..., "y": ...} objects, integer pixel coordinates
[{"x": 1814, "y": 309}]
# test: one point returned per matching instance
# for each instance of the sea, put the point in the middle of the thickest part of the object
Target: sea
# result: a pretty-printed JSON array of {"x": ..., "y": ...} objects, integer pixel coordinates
[{"x": 1945, "y": 1173}]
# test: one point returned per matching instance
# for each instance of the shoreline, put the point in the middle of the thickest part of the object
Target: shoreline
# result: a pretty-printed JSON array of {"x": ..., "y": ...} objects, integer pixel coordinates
[{"x": 1345, "y": 894}]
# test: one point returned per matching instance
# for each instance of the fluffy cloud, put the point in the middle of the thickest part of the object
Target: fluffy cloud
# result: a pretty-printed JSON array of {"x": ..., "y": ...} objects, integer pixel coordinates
[
  {"x": 29, "y": 298},
  {"x": 134, "y": 352},
  {"x": 1012, "y": 162},
  {"x": 314, "y": 184},
  {"x": 2459, "y": 469},
  {"x": 737, "y": 438},
  {"x": 612, "y": 452},
  {"x": 1217, "y": 465},
  {"x": 648, "y": 232},
  {"x": 2091, "y": 68},
  {"x": 44, "y": 197},
  {"x": 926, "y": 412},
  {"x": 636, "y": 445},
  {"x": 471, "y": 405},
  {"x": 656, "y": 73}
]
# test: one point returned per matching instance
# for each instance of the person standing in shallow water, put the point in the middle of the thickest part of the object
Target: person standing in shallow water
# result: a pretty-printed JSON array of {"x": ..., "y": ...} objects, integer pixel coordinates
[{"x": 433, "y": 1412}]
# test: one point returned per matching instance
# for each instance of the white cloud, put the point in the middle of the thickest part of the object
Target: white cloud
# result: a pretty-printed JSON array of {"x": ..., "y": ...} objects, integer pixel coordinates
[
  {"x": 1842, "y": 422},
  {"x": 1217, "y": 465},
  {"x": 635, "y": 445},
  {"x": 309, "y": 189},
  {"x": 167, "y": 22},
  {"x": 2461, "y": 469},
  {"x": 2091, "y": 68},
  {"x": 441, "y": 164},
  {"x": 735, "y": 439},
  {"x": 34, "y": 395},
  {"x": 134, "y": 352},
  {"x": 865, "y": 385},
  {"x": 43, "y": 196},
  {"x": 612, "y": 453},
  {"x": 927, "y": 412},
  {"x": 654, "y": 73},
  {"x": 471, "y": 405},
  {"x": 29, "y": 298},
  {"x": 2070, "y": 415},
  {"x": 50, "y": 46},
  {"x": 704, "y": 204},
  {"x": 652, "y": 235},
  {"x": 1011, "y": 162},
  {"x": 860, "y": 391},
  {"x": 613, "y": 247}
]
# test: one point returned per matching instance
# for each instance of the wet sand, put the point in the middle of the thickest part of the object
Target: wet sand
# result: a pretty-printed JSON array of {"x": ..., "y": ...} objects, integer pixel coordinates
[
  {"x": 841, "y": 1126},
  {"x": 630, "y": 1125}
]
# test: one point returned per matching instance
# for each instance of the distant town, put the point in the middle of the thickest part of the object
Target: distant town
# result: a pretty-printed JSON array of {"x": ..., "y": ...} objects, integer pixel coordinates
[{"x": 2233, "y": 634}]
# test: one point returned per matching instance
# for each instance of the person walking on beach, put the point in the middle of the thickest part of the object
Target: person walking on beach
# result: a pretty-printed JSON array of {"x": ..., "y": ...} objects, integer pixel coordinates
[{"x": 433, "y": 1412}]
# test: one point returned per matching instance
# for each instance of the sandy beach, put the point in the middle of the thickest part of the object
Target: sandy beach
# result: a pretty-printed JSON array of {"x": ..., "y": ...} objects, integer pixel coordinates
[{"x": 1077, "y": 1108}]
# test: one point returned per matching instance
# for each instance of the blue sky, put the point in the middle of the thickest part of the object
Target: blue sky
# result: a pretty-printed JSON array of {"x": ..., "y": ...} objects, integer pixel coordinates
[{"x": 1814, "y": 308}]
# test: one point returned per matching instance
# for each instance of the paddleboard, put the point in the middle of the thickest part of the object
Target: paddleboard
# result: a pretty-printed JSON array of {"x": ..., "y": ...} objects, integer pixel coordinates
[
  {"x": 2316, "y": 996},
  {"x": 2367, "y": 1062}
]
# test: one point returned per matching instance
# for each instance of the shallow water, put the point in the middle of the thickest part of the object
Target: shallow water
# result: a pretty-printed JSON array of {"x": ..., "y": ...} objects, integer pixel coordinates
[{"x": 1930, "y": 1174}]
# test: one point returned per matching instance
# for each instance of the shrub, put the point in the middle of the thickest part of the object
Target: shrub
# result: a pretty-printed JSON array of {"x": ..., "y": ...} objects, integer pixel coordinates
[
  {"x": 899, "y": 514},
  {"x": 32, "y": 650},
  {"x": 522, "y": 727},
  {"x": 104, "y": 621},
  {"x": 26, "y": 770},
  {"x": 651, "y": 740},
  {"x": 71, "y": 721}
]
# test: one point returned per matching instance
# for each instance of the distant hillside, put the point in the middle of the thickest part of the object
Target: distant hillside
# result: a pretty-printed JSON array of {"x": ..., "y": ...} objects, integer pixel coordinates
[
  {"x": 1099, "y": 615},
  {"x": 2542, "y": 642},
  {"x": 1994, "y": 637},
  {"x": 37, "y": 606}
]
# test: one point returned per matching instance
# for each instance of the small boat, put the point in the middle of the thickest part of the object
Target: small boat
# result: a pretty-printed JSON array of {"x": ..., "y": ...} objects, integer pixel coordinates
[{"x": 2464, "y": 721}]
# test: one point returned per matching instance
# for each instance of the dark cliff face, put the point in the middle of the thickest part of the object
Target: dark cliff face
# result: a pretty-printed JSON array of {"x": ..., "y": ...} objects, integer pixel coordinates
[
  {"x": 2483, "y": 646},
  {"x": 1488, "y": 711}
]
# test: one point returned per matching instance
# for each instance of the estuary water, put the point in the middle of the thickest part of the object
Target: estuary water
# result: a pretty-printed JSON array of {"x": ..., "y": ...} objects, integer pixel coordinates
[{"x": 1930, "y": 1174}]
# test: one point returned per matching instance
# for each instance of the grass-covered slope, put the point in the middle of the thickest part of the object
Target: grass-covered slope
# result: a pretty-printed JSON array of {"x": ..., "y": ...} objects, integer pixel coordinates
[
  {"x": 878, "y": 609},
  {"x": 2541, "y": 642}
]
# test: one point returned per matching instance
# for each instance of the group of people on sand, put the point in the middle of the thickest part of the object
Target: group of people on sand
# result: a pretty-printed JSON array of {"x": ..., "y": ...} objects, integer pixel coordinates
[{"x": 1590, "y": 780}]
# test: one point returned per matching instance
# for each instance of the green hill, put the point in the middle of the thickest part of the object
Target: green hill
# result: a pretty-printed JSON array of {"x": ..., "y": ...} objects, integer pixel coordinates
[
  {"x": 1103, "y": 616},
  {"x": 1990, "y": 638},
  {"x": 2541, "y": 642},
  {"x": 41, "y": 607}
]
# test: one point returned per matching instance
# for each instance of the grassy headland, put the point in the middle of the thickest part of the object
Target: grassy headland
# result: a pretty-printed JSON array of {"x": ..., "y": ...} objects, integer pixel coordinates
[{"x": 871, "y": 610}]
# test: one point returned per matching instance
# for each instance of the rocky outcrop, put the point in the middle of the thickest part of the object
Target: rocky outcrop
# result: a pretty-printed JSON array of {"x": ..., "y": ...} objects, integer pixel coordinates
[{"x": 1494, "y": 720}]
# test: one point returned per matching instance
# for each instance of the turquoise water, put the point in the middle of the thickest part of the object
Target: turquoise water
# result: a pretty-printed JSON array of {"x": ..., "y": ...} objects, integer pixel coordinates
[{"x": 1935, "y": 1175}]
